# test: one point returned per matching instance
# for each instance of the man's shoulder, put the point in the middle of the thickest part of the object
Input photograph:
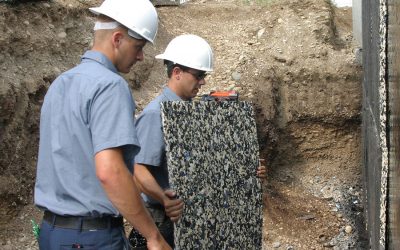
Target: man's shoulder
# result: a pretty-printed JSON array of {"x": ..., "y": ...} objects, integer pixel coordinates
[
  {"x": 155, "y": 104},
  {"x": 93, "y": 73},
  {"x": 153, "y": 107}
]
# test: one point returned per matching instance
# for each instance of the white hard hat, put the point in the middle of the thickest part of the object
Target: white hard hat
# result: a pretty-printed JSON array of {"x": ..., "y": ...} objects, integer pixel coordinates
[
  {"x": 139, "y": 16},
  {"x": 191, "y": 51}
]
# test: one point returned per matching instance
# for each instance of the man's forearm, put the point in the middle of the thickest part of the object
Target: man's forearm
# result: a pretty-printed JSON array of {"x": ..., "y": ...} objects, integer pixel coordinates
[
  {"x": 121, "y": 190},
  {"x": 148, "y": 184}
]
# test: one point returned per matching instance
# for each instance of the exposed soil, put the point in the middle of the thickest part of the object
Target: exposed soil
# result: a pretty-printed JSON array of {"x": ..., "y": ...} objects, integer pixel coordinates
[{"x": 293, "y": 59}]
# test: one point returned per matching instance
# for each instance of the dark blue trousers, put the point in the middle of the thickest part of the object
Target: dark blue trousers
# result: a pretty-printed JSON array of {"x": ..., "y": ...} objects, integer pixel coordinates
[{"x": 55, "y": 238}]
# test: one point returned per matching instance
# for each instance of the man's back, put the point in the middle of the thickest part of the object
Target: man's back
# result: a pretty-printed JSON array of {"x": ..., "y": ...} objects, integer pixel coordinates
[{"x": 72, "y": 131}]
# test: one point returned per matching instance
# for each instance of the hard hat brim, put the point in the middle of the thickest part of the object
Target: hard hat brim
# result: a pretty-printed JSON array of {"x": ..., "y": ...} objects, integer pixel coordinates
[
  {"x": 166, "y": 57},
  {"x": 95, "y": 10}
]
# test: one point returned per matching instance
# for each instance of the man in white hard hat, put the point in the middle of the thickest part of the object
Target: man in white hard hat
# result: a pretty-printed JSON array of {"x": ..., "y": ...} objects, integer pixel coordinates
[
  {"x": 88, "y": 139},
  {"x": 188, "y": 59}
]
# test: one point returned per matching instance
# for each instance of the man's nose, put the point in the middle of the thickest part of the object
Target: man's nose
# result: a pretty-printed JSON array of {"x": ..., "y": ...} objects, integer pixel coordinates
[{"x": 140, "y": 56}]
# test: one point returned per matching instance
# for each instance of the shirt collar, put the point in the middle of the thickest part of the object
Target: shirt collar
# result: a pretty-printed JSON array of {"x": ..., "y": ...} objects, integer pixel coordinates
[
  {"x": 100, "y": 58},
  {"x": 170, "y": 95}
]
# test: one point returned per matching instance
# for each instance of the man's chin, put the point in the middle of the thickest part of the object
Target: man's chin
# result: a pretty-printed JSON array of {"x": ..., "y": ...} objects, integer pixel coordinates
[
  {"x": 194, "y": 93},
  {"x": 125, "y": 71}
]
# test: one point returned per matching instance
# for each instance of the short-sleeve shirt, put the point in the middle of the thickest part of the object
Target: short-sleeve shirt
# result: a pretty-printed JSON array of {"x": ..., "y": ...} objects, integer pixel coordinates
[
  {"x": 87, "y": 109},
  {"x": 151, "y": 138}
]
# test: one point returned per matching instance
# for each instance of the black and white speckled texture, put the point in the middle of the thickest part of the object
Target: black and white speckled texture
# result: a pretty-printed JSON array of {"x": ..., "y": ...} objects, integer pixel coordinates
[{"x": 212, "y": 155}]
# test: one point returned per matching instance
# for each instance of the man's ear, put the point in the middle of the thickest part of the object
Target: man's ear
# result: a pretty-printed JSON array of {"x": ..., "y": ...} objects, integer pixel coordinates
[
  {"x": 176, "y": 72},
  {"x": 117, "y": 37}
]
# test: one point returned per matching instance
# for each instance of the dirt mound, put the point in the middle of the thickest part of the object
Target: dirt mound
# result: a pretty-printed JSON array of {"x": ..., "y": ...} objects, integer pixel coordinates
[{"x": 293, "y": 59}]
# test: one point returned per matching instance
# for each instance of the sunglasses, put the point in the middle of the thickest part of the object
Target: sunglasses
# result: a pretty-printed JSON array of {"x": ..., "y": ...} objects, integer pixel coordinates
[{"x": 199, "y": 75}]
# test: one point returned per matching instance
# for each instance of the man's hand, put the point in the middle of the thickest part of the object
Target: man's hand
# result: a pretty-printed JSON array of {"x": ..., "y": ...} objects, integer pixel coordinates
[
  {"x": 262, "y": 170},
  {"x": 173, "y": 206}
]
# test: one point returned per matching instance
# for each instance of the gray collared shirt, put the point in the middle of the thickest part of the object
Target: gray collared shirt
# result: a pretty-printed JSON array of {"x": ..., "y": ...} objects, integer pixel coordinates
[
  {"x": 151, "y": 138},
  {"x": 86, "y": 110}
]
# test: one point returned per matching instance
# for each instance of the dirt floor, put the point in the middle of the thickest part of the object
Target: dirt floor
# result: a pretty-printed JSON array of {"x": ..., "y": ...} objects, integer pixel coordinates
[{"x": 294, "y": 60}]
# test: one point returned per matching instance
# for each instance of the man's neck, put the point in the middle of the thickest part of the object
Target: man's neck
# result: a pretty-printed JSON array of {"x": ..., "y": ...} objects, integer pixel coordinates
[{"x": 172, "y": 85}]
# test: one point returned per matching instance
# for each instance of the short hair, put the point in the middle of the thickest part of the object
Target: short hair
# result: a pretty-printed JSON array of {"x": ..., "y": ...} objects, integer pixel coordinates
[{"x": 171, "y": 65}]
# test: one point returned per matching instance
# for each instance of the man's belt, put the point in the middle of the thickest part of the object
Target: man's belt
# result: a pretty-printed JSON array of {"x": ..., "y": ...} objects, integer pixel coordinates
[{"x": 82, "y": 223}]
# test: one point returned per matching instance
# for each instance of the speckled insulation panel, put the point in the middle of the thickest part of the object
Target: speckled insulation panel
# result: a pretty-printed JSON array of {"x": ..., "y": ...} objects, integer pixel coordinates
[{"x": 212, "y": 155}]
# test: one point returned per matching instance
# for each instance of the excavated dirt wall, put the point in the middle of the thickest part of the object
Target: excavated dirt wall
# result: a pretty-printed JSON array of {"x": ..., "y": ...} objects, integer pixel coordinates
[
  {"x": 293, "y": 59},
  {"x": 33, "y": 51}
]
